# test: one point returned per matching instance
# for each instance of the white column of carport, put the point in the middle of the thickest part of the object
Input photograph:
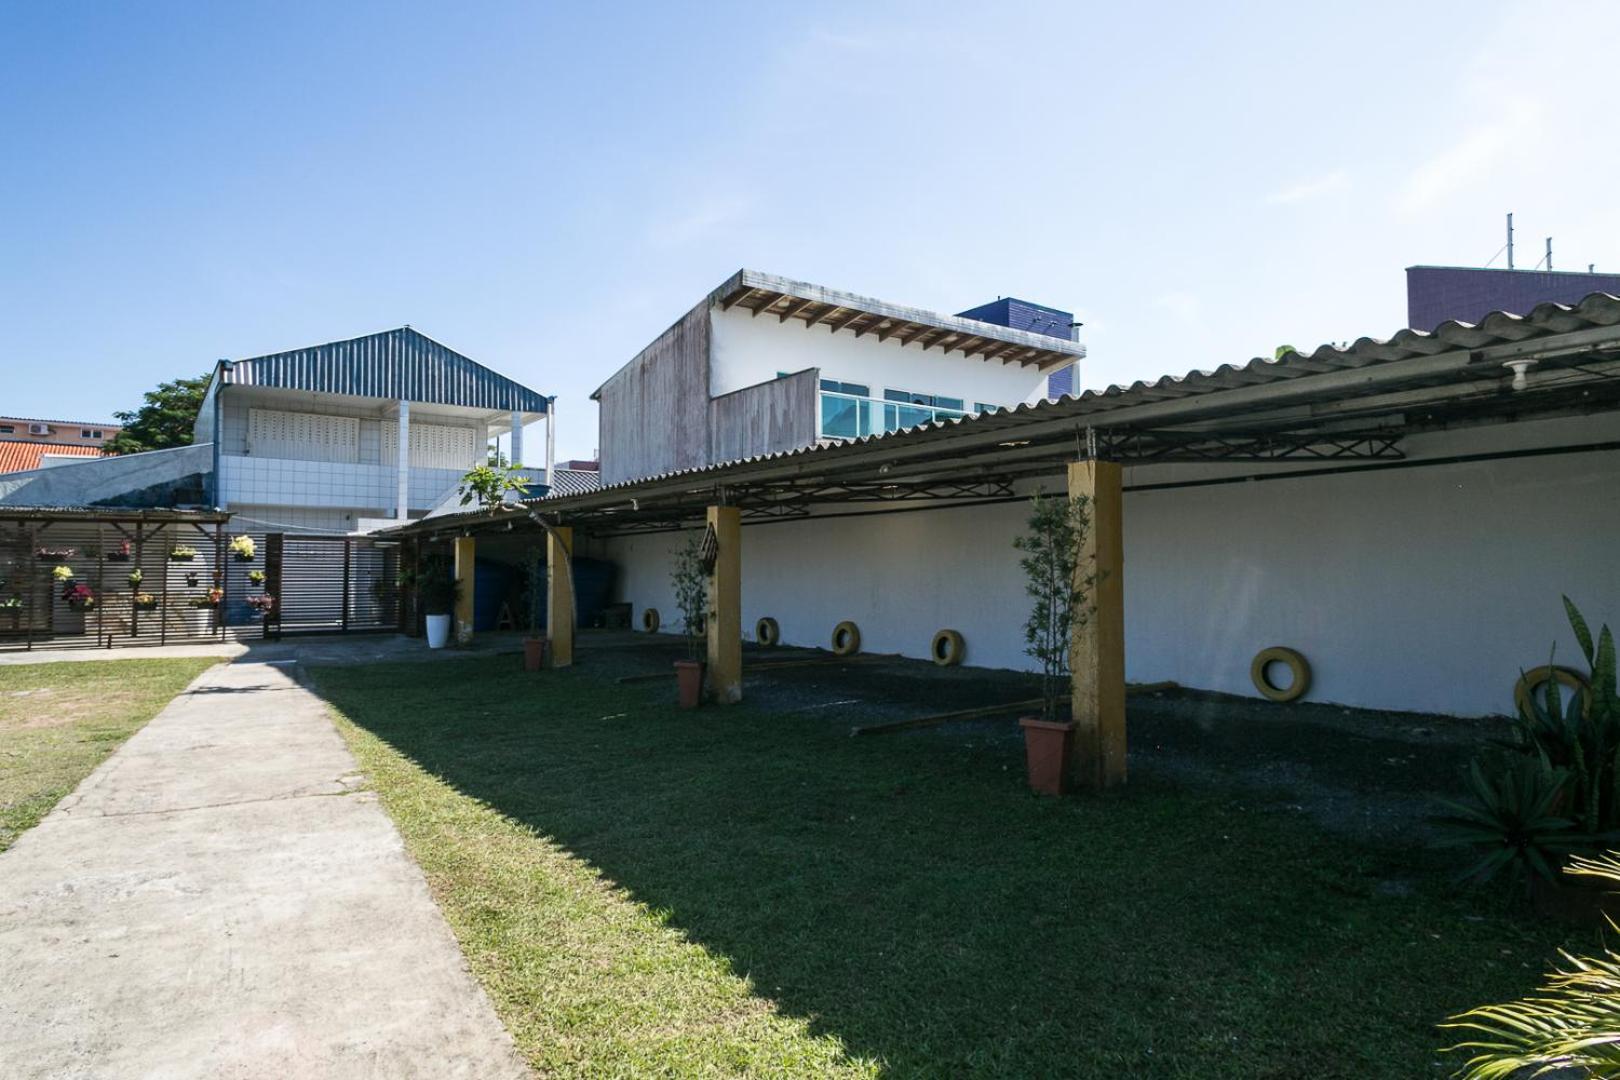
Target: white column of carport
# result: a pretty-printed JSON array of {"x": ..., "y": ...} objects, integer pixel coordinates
[
  {"x": 517, "y": 438},
  {"x": 402, "y": 495}
]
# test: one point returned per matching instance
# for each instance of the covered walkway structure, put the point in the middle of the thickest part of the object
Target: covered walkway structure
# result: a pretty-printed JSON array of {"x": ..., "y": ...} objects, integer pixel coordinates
[{"x": 1331, "y": 413}]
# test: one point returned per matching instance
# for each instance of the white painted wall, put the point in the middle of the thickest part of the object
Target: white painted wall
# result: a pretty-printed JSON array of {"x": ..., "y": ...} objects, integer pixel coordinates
[
  {"x": 746, "y": 350},
  {"x": 1425, "y": 589}
]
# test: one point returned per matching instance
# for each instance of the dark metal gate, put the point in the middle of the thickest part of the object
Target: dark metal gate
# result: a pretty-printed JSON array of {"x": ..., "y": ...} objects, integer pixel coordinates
[{"x": 331, "y": 584}]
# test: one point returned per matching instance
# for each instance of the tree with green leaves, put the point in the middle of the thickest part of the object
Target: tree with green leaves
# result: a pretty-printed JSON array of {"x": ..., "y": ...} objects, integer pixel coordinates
[
  {"x": 1059, "y": 586},
  {"x": 164, "y": 419}
]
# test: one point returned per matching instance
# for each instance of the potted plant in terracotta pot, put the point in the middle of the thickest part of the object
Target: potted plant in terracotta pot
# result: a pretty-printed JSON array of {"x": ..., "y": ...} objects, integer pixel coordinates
[
  {"x": 534, "y": 643},
  {"x": 691, "y": 586},
  {"x": 436, "y": 589},
  {"x": 1057, "y": 587}
]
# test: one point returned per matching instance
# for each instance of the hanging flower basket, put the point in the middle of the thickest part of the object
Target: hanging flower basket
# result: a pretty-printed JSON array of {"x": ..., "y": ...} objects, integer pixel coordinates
[
  {"x": 135, "y": 577},
  {"x": 263, "y": 603},
  {"x": 11, "y": 603},
  {"x": 181, "y": 553},
  {"x": 64, "y": 575},
  {"x": 144, "y": 601},
  {"x": 191, "y": 579},
  {"x": 79, "y": 597},
  {"x": 50, "y": 554},
  {"x": 209, "y": 599},
  {"x": 243, "y": 549},
  {"x": 121, "y": 553},
  {"x": 256, "y": 577}
]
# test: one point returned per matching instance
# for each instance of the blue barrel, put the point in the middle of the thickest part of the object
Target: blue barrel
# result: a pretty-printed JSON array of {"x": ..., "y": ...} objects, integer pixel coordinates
[{"x": 492, "y": 584}]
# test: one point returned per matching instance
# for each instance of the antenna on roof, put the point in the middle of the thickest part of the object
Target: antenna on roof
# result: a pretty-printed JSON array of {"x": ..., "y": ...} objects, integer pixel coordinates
[
  {"x": 1549, "y": 253},
  {"x": 1510, "y": 240}
]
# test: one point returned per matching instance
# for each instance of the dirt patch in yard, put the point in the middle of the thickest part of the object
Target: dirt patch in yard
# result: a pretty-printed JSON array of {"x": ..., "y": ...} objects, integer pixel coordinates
[{"x": 1366, "y": 773}]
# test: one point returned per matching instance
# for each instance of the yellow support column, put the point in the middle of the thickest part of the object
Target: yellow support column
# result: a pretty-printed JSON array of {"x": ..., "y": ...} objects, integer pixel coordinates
[
  {"x": 466, "y": 551},
  {"x": 725, "y": 607},
  {"x": 1097, "y": 647},
  {"x": 560, "y": 594}
]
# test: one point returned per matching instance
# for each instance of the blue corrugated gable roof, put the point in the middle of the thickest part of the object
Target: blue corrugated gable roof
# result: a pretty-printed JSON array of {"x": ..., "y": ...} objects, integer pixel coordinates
[{"x": 398, "y": 364}]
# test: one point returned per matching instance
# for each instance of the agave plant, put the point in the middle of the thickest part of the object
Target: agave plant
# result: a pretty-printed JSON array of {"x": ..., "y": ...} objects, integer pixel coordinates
[
  {"x": 1572, "y": 1023},
  {"x": 1556, "y": 790},
  {"x": 1513, "y": 814}
]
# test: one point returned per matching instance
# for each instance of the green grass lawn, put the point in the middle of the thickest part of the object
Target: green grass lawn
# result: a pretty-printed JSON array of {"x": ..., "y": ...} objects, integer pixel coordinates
[
  {"x": 646, "y": 892},
  {"x": 59, "y": 721}
]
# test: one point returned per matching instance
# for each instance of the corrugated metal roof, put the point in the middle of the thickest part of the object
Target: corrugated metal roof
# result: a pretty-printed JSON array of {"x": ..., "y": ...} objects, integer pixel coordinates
[
  {"x": 574, "y": 481},
  {"x": 1545, "y": 320},
  {"x": 107, "y": 513},
  {"x": 1233, "y": 390},
  {"x": 394, "y": 364},
  {"x": 19, "y": 456}
]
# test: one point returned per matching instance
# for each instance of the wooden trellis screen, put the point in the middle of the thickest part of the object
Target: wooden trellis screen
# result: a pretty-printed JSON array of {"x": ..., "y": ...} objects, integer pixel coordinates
[
  {"x": 112, "y": 583},
  {"x": 93, "y": 583}
]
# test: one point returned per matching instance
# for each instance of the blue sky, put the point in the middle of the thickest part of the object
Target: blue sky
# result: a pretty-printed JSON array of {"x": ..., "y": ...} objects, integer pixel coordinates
[{"x": 545, "y": 187}]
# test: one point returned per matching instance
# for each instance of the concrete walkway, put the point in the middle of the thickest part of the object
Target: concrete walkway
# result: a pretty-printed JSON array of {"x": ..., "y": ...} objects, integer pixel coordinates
[{"x": 219, "y": 900}]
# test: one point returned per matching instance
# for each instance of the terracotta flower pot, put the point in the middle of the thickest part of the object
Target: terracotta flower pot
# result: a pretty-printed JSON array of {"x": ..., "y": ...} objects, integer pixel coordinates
[
  {"x": 1046, "y": 753},
  {"x": 689, "y": 682},
  {"x": 534, "y": 653}
]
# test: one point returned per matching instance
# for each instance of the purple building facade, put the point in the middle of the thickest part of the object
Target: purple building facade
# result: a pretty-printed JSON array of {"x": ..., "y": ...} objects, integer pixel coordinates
[{"x": 1467, "y": 294}]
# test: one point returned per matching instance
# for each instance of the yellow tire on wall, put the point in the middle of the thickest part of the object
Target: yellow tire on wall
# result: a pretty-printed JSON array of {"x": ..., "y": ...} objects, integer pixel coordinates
[
  {"x": 649, "y": 620},
  {"x": 766, "y": 632},
  {"x": 1297, "y": 665},
  {"x": 947, "y": 648},
  {"x": 1532, "y": 682},
  {"x": 846, "y": 639}
]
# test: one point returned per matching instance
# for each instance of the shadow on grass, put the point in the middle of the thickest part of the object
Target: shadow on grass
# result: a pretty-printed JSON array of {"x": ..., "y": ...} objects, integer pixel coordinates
[{"x": 909, "y": 896}]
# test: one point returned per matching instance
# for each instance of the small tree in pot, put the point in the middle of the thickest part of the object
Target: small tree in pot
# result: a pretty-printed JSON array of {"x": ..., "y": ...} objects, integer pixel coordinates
[
  {"x": 437, "y": 591},
  {"x": 1058, "y": 586},
  {"x": 690, "y": 580}
]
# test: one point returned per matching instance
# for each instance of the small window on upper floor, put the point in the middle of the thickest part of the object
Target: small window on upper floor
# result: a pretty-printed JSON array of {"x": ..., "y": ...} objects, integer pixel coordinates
[
  {"x": 84, "y": 433},
  {"x": 7, "y": 429},
  {"x": 95, "y": 434}
]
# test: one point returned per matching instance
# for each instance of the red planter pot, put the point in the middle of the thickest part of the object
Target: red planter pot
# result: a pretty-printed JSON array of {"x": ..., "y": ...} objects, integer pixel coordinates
[
  {"x": 689, "y": 682},
  {"x": 534, "y": 653},
  {"x": 1047, "y": 744}
]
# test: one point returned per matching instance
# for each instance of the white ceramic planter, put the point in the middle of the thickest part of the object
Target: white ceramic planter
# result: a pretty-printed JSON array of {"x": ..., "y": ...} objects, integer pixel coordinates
[{"x": 438, "y": 631}]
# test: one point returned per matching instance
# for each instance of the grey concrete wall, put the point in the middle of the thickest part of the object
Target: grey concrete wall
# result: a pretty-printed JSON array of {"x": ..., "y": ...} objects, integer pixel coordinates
[
  {"x": 764, "y": 419},
  {"x": 151, "y": 479},
  {"x": 655, "y": 409}
]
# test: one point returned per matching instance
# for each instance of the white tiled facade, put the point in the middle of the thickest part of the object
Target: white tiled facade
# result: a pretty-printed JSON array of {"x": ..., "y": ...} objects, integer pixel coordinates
[{"x": 324, "y": 465}]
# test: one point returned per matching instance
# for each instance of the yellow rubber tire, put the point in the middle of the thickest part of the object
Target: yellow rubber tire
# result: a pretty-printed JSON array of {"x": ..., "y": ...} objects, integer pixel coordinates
[
  {"x": 947, "y": 648},
  {"x": 766, "y": 632},
  {"x": 846, "y": 639},
  {"x": 649, "y": 620},
  {"x": 1532, "y": 681},
  {"x": 1297, "y": 665}
]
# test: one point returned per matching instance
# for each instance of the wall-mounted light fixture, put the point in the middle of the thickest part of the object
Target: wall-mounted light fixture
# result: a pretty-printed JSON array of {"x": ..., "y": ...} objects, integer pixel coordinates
[{"x": 1521, "y": 372}]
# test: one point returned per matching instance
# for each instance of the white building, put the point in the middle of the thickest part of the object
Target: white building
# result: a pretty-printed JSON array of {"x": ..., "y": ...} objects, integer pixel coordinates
[
  {"x": 765, "y": 364},
  {"x": 334, "y": 438},
  {"x": 1397, "y": 511}
]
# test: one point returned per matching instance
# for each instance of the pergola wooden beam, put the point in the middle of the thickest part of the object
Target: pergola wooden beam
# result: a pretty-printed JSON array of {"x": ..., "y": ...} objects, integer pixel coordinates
[
  {"x": 793, "y": 308},
  {"x": 770, "y": 302},
  {"x": 723, "y": 625},
  {"x": 1097, "y": 639},
  {"x": 826, "y": 310},
  {"x": 736, "y": 298}
]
